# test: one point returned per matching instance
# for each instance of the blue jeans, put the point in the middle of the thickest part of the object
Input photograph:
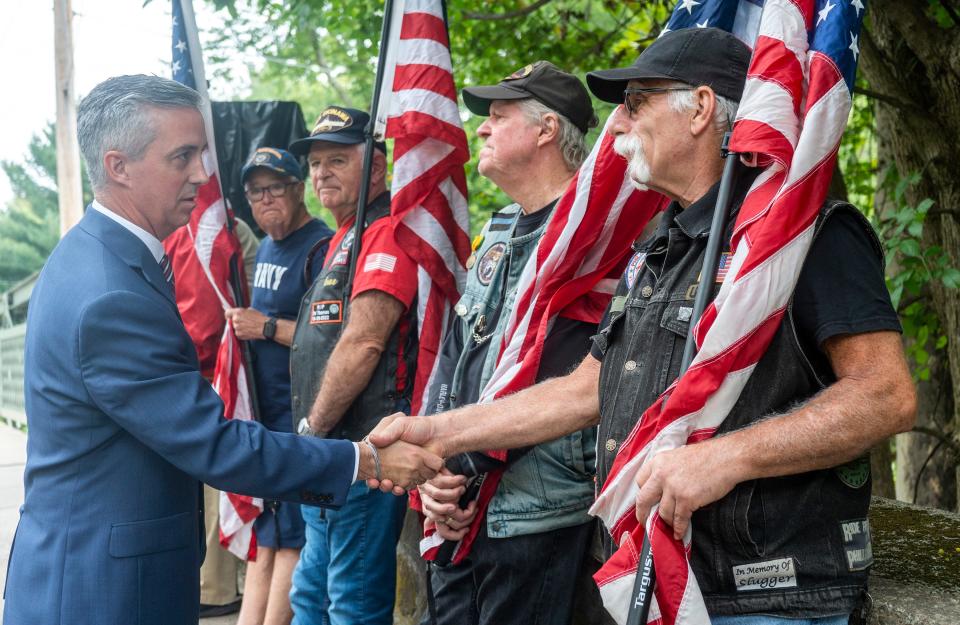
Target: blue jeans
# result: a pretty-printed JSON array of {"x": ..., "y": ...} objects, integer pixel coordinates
[
  {"x": 777, "y": 620},
  {"x": 347, "y": 571}
]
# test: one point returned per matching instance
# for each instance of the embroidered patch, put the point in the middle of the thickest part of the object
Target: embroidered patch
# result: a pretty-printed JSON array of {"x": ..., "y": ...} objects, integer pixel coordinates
[
  {"x": 855, "y": 473},
  {"x": 617, "y": 304},
  {"x": 634, "y": 267},
  {"x": 500, "y": 221},
  {"x": 347, "y": 239},
  {"x": 488, "y": 262},
  {"x": 380, "y": 262},
  {"x": 332, "y": 120},
  {"x": 330, "y": 282},
  {"x": 684, "y": 313},
  {"x": 723, "y": 266},
  {"x": 856, "y": 543},
  {"x": 326, "y": 311},
  {"x": 523, "y": 72},
  {"x": 765, "y": 575},
  {"x": 340, "y": 258}
]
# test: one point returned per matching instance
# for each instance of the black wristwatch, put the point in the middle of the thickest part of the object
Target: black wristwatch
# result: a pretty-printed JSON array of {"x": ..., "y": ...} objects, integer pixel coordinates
[{"x": 269, "y": 328}]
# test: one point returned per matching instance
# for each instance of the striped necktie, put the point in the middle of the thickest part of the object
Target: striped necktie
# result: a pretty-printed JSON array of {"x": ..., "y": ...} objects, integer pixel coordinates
[{"x": 166, "y": 268}]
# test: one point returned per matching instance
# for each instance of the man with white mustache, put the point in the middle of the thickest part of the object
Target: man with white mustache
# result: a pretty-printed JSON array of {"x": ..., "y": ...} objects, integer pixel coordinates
[{"x": 786, "y": 479}]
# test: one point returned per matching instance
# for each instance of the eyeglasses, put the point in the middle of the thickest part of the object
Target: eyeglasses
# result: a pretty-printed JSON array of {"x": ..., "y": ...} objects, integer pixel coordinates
[
  {"x": 635, "y": 97},
  {"x": 277, "y": 189}
]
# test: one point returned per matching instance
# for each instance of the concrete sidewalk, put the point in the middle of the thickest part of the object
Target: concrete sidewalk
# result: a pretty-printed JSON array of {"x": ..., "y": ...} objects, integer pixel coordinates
[{"x": 13, "y": 455}]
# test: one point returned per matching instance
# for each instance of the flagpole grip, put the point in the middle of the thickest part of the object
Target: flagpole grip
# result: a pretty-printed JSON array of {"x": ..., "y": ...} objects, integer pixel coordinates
[
  {"x": 646, "y": 574},
  {"x": 359, "y": 224},
  {"x": 711, "y": 257}
]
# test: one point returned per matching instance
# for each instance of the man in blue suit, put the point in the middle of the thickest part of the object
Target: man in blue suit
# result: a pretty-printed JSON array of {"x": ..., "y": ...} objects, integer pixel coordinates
[{"x": 122, "y": 425}]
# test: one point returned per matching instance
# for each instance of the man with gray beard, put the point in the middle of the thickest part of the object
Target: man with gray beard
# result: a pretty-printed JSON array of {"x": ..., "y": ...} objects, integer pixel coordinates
[{"x": 832, "y": 383}]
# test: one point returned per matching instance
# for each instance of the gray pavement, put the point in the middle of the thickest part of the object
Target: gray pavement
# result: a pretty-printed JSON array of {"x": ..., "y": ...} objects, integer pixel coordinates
[{"x": 13, "y": 455}]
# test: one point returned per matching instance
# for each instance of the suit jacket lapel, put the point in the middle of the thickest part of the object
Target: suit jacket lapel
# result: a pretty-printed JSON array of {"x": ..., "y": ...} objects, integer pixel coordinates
[{"x": 128, "y": 248}]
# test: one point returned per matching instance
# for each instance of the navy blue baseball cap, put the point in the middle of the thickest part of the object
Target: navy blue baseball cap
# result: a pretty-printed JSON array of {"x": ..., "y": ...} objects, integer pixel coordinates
[
  {"x": 337, "y": 124},
  {"x": 274, "y": 159}
]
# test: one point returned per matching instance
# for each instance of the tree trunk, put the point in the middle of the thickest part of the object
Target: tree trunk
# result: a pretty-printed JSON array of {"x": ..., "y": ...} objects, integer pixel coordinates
[
  {"x": 915, "y": 65},
  {"x": 925, "y": 465}
]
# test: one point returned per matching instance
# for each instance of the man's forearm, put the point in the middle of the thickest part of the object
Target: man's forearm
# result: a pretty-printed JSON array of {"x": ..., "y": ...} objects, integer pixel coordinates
[
  {"x": 285, "y": 330},
  {"x": 836, "y": 426},
  {"x": 346, "y": 375},
  {"x": 535, "y": 415}
]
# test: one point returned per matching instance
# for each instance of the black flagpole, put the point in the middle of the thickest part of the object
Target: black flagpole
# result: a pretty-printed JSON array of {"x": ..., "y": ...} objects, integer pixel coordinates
[
  {"x": 359, "y": 224},
  {"x": 646, "y": 574}
]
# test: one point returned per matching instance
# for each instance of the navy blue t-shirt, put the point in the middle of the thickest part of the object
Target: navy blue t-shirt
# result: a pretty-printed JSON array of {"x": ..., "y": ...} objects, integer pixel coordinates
[{"x": 278, "y": 286}]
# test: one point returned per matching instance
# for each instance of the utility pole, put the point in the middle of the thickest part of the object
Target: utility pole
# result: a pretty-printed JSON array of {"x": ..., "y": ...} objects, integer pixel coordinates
[{"x": 68, "y": 149}]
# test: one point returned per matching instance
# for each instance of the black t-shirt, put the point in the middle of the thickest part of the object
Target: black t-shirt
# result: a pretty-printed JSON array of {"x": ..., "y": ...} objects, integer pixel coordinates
[
  {"x": 841, "y": 289},
  {"x": 565, "y": 346}
]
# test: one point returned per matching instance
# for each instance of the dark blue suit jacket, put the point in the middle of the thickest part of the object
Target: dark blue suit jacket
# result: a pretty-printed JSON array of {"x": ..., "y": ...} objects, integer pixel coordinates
[{"x": 121, "y": 428}]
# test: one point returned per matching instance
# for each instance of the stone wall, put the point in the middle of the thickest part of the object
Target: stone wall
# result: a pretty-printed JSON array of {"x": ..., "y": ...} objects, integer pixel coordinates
[{"x": 915, "y": 578}]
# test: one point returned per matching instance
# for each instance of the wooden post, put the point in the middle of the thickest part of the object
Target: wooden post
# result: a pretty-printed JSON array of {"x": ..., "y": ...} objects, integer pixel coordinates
[{"x": 68, "y": 149}]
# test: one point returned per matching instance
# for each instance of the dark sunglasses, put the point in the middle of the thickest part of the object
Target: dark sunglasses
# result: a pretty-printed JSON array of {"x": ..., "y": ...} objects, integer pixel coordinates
[{"x": 634, "y": 98}]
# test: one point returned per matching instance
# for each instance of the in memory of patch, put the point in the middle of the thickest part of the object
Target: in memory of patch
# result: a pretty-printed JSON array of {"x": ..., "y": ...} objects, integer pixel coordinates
[
  {"x": 766, "y": 575},
  {"x": 379, "y": 261}
]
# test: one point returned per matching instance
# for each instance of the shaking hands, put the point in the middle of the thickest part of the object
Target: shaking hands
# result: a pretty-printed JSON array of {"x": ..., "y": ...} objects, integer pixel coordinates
[
  {"x": 408, "y": 453},
  {"x": 398, "y": 455}
]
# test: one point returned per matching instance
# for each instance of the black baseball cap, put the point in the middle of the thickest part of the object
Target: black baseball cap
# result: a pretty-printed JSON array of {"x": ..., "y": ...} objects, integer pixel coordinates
[
  {"x": 544, "y": 82},
  {"x": 274, "y": 159},
  {"x": 337, "y": 124},
  {"x": 696, "y": 56}
]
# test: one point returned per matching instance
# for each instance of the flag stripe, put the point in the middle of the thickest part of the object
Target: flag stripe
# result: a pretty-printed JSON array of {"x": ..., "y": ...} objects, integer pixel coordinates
[{"x": 791, "y": 118}]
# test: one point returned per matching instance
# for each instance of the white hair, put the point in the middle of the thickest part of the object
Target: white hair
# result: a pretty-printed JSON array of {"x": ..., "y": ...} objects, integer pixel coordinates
[
  {"x": 570, "y": 139},
  {"x": 723, "y": 116}
]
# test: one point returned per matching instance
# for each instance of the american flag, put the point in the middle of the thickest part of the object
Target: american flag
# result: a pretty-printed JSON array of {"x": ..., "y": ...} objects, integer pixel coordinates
[
  {"x": 573, "y": 271},
  {"x": 215, "y": 252},
  {"x": 418, "y": 109},
  {"x": 790, "y": 121}
]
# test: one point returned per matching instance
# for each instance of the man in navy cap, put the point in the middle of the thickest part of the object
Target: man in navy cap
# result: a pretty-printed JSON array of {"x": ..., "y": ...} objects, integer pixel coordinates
[
  {"x": 288, "y": 261},
  {"x": 348, "y": 373},
  {"x": 779, "y": 497}
]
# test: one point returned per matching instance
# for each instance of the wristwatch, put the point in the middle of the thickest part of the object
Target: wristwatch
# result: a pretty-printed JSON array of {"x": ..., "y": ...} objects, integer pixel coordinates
[
  {"x": 304, "y": 429},
  {"x": 269, "y": 328}
]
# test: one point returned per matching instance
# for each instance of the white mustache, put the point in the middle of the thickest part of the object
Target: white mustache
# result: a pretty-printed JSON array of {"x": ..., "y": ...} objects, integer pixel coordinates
[{"x": 638, "y": 169}]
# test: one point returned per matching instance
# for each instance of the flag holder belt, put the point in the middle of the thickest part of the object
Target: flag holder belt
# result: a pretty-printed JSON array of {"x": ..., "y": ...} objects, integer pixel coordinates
[{"x": 646, "y": 573}]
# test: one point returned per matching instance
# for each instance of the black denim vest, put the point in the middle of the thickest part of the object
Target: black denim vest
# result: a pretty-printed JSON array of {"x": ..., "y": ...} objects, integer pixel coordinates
[
  {"x": 790, "y": 546},
  {"x": 318, "y": 329}
]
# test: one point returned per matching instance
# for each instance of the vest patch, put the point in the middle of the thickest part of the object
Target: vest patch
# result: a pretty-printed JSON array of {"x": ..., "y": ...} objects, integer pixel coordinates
[
  {"x": 326, "y": 311},
  {"x": 765, "y": 575},
  {"x": 633, "y": 269},
  {"x": 856, "y": 544},
  {"x": 488, "y": 263},
  {"x": 723, "y": 266},
  {"x": 855, "y": 473}
]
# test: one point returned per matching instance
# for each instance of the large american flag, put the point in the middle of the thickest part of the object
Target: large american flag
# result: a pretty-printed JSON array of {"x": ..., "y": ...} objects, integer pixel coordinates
[
  {"x": 418, "y": 109},
  {"x": 791, "y": 118},
  {"x": 216, "y": 252}
]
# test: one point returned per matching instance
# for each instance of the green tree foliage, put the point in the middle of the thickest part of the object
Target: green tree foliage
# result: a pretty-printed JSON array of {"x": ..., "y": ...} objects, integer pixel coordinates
[
  {"x": 321, "y": 52},
  {"x": 30, "y": 223}
]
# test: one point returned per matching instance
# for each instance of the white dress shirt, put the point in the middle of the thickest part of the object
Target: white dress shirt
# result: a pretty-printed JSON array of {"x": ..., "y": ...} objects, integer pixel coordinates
[{"x": 153, "y": 243}]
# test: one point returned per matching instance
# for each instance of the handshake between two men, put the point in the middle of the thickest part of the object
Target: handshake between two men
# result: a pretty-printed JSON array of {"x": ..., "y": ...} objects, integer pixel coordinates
[{"x": 398, "y": 462}]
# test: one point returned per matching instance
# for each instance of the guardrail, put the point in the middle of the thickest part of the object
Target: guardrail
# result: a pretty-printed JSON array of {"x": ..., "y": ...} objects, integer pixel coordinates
[{"x": 12, "y": 411}]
